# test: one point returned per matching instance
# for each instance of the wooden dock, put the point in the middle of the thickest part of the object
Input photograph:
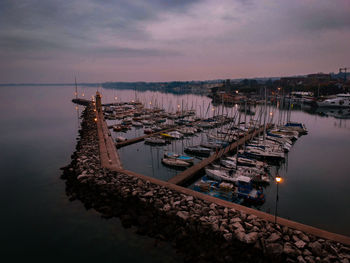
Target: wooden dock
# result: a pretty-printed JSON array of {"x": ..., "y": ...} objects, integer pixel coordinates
[{"x": 189, "y": 174}]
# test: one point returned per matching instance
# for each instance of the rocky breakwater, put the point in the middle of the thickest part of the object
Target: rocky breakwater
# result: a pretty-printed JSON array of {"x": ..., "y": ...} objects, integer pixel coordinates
[{"x": 202, "y": 231}]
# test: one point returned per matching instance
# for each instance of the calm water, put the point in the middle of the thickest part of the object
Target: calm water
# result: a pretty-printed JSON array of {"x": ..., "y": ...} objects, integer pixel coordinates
[{"x": 38, "y": 131}]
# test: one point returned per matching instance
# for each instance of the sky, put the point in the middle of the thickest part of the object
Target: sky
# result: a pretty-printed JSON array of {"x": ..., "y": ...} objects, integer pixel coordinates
[{"x": 165, "y": 40}]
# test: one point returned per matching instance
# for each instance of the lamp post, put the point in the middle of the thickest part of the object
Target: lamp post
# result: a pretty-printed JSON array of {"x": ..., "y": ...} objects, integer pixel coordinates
[{"x": 278, "y": 180}]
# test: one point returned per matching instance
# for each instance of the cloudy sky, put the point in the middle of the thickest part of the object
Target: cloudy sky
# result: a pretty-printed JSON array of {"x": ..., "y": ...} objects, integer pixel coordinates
[{"x": 162, "y": 40}]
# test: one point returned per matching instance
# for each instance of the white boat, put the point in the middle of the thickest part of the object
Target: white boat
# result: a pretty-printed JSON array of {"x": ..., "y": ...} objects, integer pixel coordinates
[
  {"x": 176, "y": 134},
  {"x": 137, "y": 124},
  {"x": 197, "y": 150},
  {"x": 220, "y": 175},
  {"x": 340, "y": 101},
  {"x": 155, "y": 140},
  {"x": 181, "y": 157},
  {"x": 175, "y": 162},
  {"x": 229, "y": 163},
  {"x": 120, "y": 139}
]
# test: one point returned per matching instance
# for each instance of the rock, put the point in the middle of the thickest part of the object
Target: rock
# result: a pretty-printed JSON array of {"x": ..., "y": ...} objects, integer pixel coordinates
[
  {"x": 316, "y": 248},
  {"x": 274, "y": 249},
  {"x": 251, "y": 217},
  {"x": 212, "y": 206},
  {"x": 148, "y": 194},
  {"x": 307, "y": 252},
  {"x": 235, "y": 219},
  {"x": 295, "y": 238},
  {"x": 248, "y": 225},
  {"x": 273, "y": 238},
  {"x": 183, "y": 215},
  {"x": 140, "y": 183},
  {"x": 228, "y": 236},
  {"x": 304, "y": 237},
  {"x": 240, "y": 235},
  {"x": 243, "y": 215},
  {"x": 189, "y": 198},
  {"x": 301, "y": 259},
  {"x": 300, "y": 244},
  {"x": 286, "y": 238},
  {"x": 344, "y": 260},
  {"x": 345, "y": 250},
  {"x": 330, "y": 249},
  {"x": 289, "y": 250},
  {"x": 325, "y": 260},
  {"x": 166, "y": 208},
  {"x": 309, "y": 259},
  {"x": 176, "y": 203},
  {"x": 251, "y": 238},
  {"x": 215, "y": 227},
  {"x": 238, "y": 226}
]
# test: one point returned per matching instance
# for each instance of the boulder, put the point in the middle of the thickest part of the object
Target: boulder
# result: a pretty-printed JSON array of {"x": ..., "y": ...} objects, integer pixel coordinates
[
  {"x": 228, "y": 236},
  {"x": 300, "y": 244},
  {"x": 251, "y": 238},
  {"x": 273, "y": 238},
  {"x": 289, "y": 250},
  {"x": 275, "y": 249},
  {"x": 183, "y": 215},
  {"x": 316, "y": 248}
]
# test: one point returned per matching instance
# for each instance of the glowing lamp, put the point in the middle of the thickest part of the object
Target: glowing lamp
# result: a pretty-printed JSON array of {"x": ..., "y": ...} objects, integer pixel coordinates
[{"x": 278, "y": 179}]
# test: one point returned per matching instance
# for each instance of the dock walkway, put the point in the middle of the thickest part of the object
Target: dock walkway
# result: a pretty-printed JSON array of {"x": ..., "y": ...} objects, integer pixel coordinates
[{"x": 189, "y": 174}]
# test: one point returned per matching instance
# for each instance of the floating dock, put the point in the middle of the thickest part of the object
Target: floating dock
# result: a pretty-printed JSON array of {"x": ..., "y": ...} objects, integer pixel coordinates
[{"x": 189, "y": 174}]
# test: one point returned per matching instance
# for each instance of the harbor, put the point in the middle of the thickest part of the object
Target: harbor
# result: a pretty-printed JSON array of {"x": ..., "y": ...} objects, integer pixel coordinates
[
  {"x": 175, "y": 131},
  {"x": 274, "y": 251},
  {"x": 296, "y": 193}
]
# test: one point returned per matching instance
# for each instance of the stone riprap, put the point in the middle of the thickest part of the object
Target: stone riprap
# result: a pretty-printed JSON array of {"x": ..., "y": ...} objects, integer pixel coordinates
[{"x": 202, "y": 231}]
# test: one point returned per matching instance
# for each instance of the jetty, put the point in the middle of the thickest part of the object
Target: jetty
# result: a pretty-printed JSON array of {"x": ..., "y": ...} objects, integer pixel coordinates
[{"x": 108, "y": 152}]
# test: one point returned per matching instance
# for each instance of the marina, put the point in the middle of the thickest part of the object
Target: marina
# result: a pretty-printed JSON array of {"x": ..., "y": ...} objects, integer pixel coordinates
[
  {"x": 175, "y": 131},
  {"x": 297, "y": 169}
]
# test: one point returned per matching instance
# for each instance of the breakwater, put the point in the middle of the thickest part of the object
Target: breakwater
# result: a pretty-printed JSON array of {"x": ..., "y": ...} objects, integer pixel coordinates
[{"x": 199, "y": 228}]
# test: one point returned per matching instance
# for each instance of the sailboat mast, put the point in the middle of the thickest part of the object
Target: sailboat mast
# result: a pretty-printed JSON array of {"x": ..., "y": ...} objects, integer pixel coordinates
[{"x": 76, "y": 87}]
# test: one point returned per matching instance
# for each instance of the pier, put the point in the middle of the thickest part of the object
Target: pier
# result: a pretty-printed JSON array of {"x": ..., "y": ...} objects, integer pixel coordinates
[
  {"x": 189, "y": 174},
  {"x": 108, "y": 152}
]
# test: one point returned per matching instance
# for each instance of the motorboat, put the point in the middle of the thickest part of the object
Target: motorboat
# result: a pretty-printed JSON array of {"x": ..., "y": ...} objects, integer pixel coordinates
[
  {"x": 181, "y": 157},
  {"x": 220, "y": 175},
  {"x": 175, "y": 162},
  {"x": 340, "y": 101},
  {"x": 155, "y": 141},
  {"x": 197, "y": 150},
  {"x": 120, "y": 139}
]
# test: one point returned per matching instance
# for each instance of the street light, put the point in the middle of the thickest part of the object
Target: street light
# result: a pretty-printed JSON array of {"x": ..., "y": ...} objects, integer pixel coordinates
[{"x": 278, "y": 180}]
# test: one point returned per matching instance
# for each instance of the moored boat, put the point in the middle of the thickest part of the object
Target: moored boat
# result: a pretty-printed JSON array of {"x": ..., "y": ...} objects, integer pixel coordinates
[
  {"x": 179, "y": 157},
  {"x": 175, "y": 162},
  {"x": 197, "y": 150}
]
